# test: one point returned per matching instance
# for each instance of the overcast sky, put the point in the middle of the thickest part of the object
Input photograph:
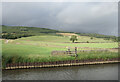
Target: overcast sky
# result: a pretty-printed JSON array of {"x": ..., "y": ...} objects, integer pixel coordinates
[{"x": 92, "y": 17}]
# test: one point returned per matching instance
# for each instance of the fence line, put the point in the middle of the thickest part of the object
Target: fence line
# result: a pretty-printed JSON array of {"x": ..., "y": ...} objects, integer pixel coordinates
[
  {"x": 55, "y": 63},
  {"x": 53, "y": 53}
]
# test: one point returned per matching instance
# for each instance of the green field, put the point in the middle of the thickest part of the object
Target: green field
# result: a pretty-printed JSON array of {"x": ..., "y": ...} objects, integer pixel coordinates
[
  {"x": 39, "y": 48},
  {"x": 31, "y": 44}
]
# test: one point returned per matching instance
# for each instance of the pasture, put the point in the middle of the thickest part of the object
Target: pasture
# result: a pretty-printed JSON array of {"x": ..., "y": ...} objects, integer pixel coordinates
[{"x": 39, "y": 48}]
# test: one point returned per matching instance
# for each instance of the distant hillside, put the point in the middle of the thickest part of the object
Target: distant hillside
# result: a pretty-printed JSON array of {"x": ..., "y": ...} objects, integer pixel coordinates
[
  {"x": 14, "y": 32},
  {"x": 21, "y": 29},
  {"x": 106, "y": 37}
]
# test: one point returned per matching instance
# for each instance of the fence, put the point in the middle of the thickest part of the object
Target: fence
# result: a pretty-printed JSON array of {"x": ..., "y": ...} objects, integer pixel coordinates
[
  {"x": 72, "y": 53},
  {"x": 55, "y": 63},
  {"x": 69, "y": 52}
]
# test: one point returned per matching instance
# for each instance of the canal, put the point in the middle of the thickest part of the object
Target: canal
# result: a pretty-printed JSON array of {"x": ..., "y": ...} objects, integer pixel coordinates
[{"x": 86, "y": 72}]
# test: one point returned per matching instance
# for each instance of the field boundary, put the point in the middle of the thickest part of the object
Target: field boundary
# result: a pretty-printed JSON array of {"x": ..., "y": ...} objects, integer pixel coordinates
[
  {"x": 53, "y": 53},
  {"x": 59, "y": 63}
]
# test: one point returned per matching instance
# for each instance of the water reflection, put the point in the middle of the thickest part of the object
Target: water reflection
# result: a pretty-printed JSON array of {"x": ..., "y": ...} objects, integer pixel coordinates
[{"x": 87, "y": 72}]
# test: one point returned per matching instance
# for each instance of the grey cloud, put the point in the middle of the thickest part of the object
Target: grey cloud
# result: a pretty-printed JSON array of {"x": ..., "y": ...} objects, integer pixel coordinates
[
  {"x": 91, "y": 18},
  {"x": 78, "y": 17}
]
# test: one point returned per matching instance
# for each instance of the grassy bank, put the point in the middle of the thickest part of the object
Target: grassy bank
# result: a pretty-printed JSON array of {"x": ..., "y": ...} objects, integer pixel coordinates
[{"x": 37, "y": 56}]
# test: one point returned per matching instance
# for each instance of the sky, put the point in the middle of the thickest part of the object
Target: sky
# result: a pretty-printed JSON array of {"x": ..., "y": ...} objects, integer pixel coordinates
[{"x": 85, "y": 17}]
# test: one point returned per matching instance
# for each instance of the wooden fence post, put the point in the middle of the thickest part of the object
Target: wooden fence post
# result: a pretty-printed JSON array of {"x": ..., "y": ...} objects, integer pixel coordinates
[
  {"x": 68, "y": 50},
  {"x": 10, "y": 65},
  {"x": 76, "y": 52},
  {"x": 18, "y": 65}
]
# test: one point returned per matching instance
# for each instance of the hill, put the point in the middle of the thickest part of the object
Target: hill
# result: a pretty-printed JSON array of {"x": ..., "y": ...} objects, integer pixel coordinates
[
  {"x": 21, "y": 29},
  {"x": 14, "y": 32}
]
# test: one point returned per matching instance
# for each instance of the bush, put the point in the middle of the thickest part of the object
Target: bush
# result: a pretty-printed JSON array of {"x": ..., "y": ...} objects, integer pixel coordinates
[
  {"x": 87, "y": 41},
  {"x": 91, "y": 38}
]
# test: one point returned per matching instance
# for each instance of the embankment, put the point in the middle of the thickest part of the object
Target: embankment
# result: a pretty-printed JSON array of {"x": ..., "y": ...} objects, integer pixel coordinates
[{"x": 60, "y": 63}]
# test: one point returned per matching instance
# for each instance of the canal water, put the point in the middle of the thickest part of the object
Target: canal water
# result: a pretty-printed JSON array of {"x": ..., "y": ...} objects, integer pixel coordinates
[{"x": 86, "y": 72}]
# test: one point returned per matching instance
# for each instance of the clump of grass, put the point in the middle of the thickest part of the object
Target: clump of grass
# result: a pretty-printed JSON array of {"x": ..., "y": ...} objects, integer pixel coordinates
[{"x": 97, "y": 55}]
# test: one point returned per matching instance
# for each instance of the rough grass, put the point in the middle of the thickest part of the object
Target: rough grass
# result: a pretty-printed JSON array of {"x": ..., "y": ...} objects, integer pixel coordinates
[{"x": 97, "y": 55}]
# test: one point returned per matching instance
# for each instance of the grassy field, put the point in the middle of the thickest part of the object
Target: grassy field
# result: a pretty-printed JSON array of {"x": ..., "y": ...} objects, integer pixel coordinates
[{"x": 39, "y": 48}]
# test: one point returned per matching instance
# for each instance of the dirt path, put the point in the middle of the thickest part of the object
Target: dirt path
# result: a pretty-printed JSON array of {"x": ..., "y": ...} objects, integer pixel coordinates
[{"x": 67, "y": 34}]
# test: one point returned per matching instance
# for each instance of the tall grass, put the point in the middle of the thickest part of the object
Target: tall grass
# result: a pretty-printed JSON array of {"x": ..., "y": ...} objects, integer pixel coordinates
[
  {"x": 97, "y": 55},
  {"x": 81, "y": 56}
]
